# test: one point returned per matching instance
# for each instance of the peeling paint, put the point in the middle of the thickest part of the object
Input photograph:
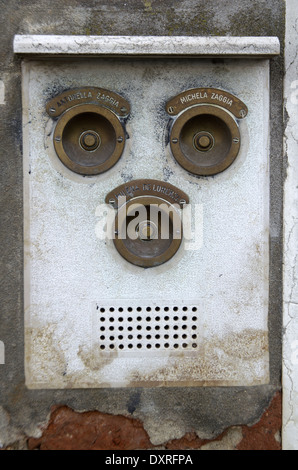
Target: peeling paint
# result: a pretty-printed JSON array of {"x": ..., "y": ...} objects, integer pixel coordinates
[{"x": 70, "y": 430}]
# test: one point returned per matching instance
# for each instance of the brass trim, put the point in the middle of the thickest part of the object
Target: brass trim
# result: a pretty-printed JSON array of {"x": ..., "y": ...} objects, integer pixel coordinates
[
  {"x": 213, "y": 96},
  {"x": 88, "y": 95},
  {"x": 115, "y": 148},
  {"x": 176, "y": 142},
  {"x": 147, "y": 187}
]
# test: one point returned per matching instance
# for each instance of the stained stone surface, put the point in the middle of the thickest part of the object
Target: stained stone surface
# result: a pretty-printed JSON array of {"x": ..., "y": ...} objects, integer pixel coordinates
[{"x": 221, "y": 272}]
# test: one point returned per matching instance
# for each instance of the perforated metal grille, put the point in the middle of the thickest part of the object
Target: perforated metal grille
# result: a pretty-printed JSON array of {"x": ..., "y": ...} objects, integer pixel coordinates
[{"x": 147, "y": 328}]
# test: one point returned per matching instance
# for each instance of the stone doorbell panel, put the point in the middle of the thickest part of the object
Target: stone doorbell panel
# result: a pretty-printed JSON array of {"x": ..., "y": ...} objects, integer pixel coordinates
[{"x": 112, "y": 148}]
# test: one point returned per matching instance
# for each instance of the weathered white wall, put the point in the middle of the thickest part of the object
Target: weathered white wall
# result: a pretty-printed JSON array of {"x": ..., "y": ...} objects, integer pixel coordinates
[
  {"x": 290, "y": 318},
  {"x": 68, "y": 269}
]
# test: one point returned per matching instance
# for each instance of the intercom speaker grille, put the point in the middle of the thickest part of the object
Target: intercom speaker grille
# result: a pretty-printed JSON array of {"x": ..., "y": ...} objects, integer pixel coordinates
[{"x": 146, "y": 329}]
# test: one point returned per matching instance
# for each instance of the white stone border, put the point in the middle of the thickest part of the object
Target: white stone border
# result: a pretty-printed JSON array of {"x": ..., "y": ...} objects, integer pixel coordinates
[
  {"x": 187, "y": 46},
  {"x": 290, "y": 268}
]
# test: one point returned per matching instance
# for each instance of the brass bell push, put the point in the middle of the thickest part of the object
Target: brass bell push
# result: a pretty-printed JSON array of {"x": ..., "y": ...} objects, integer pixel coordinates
[
  {"x": 204, "y": 135},
  {"x": 89, "y": 136}
]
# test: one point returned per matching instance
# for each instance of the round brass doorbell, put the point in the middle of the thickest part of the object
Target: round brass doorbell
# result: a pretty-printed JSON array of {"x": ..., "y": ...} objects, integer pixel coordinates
[
  {"x": 142, "y": 243},
  {"x": 148, "y": 227},
  {"x": 205, "y": 137},
  {"x": 89, "y": 136}
]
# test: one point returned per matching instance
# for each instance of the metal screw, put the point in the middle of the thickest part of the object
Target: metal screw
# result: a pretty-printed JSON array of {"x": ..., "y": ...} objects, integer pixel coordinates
[
  {"x": 112, "y": 202},
  {"x": 57, "y": 139},
  {"x": 120, "y": 139},
  {"x": 236, "y": 140},
  {"x": 123, "y": 109},
  {"x": 170, "y": 109},
  {"x": 174, "y": 141},
  {"x": 52, "y": 110}
]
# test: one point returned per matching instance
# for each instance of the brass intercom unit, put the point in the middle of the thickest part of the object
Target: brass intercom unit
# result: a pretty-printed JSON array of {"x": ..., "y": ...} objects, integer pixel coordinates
[
  {"x": 204, "y": 136},
  {"x": 148, "y": 226},
  {"x": 89, "y": 136}
]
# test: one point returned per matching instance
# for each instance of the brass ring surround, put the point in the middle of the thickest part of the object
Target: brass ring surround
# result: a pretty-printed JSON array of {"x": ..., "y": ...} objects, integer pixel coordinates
[
  {"x": 229, "y": 128},
  {"x": 165, "y": 253},
  {"x": 114, "y": 149}
]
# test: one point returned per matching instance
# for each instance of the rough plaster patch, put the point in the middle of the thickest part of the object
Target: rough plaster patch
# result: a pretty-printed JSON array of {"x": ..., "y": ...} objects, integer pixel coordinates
[
  {"x": 158, "y": 429},
  {"x": 69, "y": 429},
  {"x": 228, "y": 442},
  {"x": 8, "y": 433}
]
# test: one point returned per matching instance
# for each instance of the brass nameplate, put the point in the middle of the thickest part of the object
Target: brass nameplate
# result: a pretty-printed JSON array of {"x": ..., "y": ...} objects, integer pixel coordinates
[
  {"x": 206, "y": 95},
  {"x": 88, "y": 95},
  {"x": 147, "y": 187}
]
